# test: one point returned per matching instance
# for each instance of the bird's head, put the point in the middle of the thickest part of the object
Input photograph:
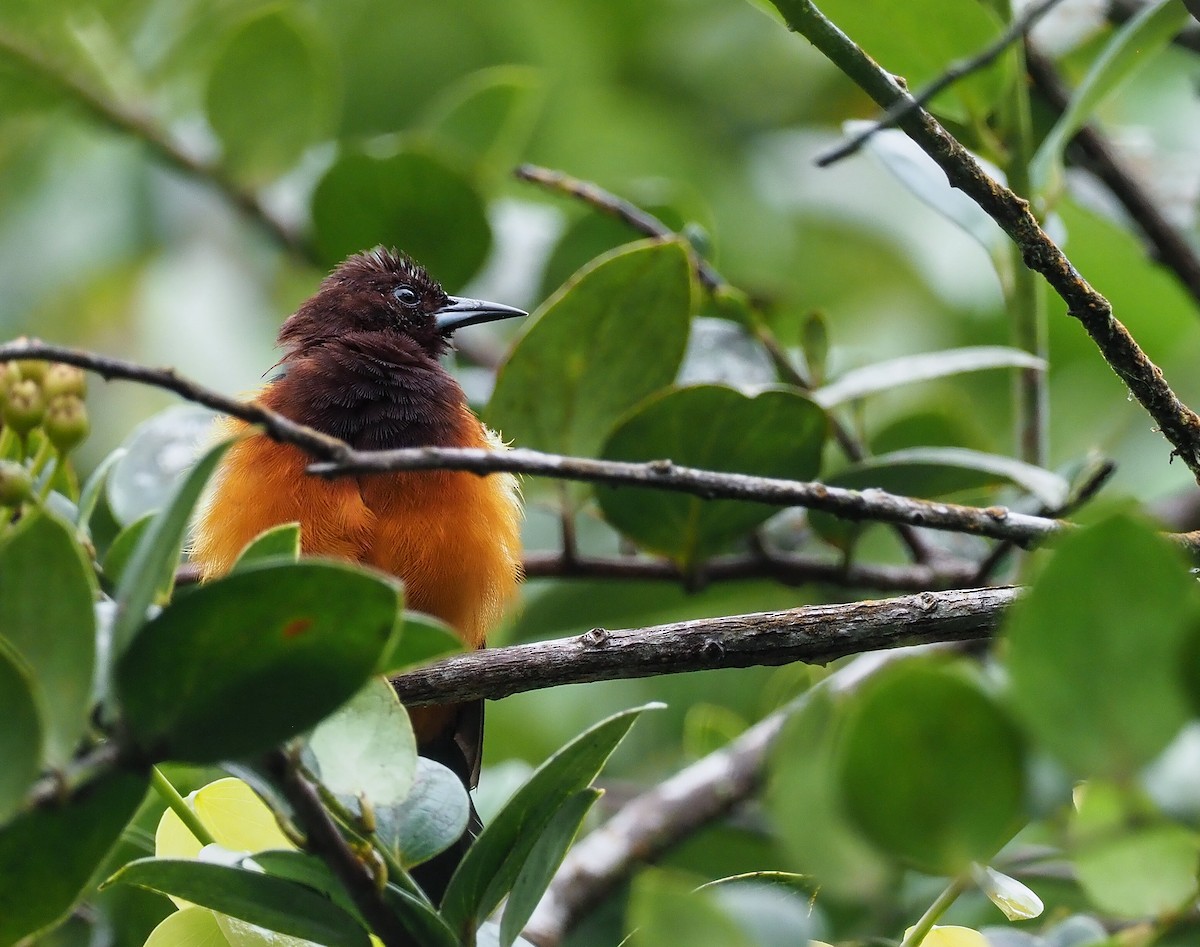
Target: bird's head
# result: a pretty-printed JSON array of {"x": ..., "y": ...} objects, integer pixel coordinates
[{"x": 385, "y": 292}]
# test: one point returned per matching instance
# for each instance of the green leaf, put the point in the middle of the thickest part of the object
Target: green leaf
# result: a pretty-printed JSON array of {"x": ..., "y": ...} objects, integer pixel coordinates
[
  {"x": 1147, "y": 873},
  {"x": 157, "y": 551},
  {"x": 366, "y": 748},
  {"x": 939, "y": 471},
  {"x": 277, "y": 542},
  {"x": 492, "y": 864},
  {"x": 614, "y": 333},
  {"x": 485, "y": 118},
  {"x": 265, "y": 900},
  {"x": 308, "y": 870},
  {"x": 419, "y": 919},
  {"x": 429, "y": 820},
  {"x": 47, "y": 855},
  {"x": 665, "y": 909},
  {"x": 910, "y": 369},
  {"x": 920, "y": 39},
  {"x": 195, "y": 927},
  {"x": 1132, "y": 46},
  {"x": 925, "y": 180},
  {"x": 776, "y": 434},
  {"x": 422, "y": 639},
  {"x": 543, "y": 862},
  {"x": 46, "y": 616},
  {"x": 270, "y": 95},
  {"x": 411, "y": 199},
  {"x": 93, "y": 487},
  {"x": 931, "y": 768},
  {"x": 239, "y": 664},
  {"x": 120, "y": 552},
  {"x": 1095, "y": 644},
  {"x": 20, "y": 732},
  {"x": 157, "y": 456}
]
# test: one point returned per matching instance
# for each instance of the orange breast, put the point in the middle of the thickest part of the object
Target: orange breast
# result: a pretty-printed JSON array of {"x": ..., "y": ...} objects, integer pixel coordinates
[{"x": 452, "y": 537}]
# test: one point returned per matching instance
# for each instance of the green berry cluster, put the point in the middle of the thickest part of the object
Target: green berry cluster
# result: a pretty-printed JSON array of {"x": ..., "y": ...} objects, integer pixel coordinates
[{"x": 42, "y": 419}]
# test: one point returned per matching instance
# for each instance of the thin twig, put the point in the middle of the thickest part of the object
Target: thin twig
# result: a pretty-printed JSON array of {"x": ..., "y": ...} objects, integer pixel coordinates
[
  {"x": 814, "y": 634},
  {"x": 1167, "y": 243},
  {"x": 141, "y": 127},
  {"x": 900, "y": 109},
  {"x": 786, "y": 568},
  {"x": 1177, "y": 422},
  {"x": 325, "y": 841},
  {"x": 339, "y": 459}
]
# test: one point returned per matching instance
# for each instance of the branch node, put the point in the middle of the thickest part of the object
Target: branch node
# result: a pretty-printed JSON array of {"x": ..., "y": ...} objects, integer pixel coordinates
[{"x": 595, "y": 638}]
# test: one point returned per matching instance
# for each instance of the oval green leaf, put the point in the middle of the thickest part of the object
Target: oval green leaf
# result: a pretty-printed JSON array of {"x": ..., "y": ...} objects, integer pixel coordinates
[
  {"x": 20, "y": 732},
  {"x": 412, "y": 200},
  {"x": 277, "y": 542},
  {"x": 257, "y": 657},
  {"x": 261, "y": 899},
  {"x": 1095, "y": 645},
  {"x": 931, "y": 768},
  {"x": 1147, "y": 873},
  {"x": 429, "y": 820},
  {"x": 269, "y": 95},
  {"x": 776, "y": 434},
  {"x": 367, "y": 747},
  {"x": 46, "y": 616},
  {"x": 614, "y": 333},
  {"x": 48, "y": 855}
]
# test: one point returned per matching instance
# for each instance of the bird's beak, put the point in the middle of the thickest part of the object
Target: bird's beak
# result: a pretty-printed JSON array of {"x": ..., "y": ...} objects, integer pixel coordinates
[{"x": 461, "y": 311}]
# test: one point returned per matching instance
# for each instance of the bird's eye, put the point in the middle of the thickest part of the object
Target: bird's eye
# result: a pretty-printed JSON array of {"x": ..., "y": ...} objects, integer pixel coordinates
[{"x": 406, "y": 295}]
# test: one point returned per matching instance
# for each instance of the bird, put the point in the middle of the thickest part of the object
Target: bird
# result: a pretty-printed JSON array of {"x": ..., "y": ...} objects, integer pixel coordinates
[{"x": 362, "y": 361}]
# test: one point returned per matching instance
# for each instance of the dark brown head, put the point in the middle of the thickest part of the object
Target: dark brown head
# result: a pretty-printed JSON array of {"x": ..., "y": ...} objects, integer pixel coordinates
[
  {"x": 382, "y": 291},
  {"x": 362, "y": 355}
]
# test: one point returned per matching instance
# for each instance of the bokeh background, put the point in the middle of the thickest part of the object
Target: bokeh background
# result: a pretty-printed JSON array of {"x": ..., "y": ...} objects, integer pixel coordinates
[{"x": 356, "y": 121}]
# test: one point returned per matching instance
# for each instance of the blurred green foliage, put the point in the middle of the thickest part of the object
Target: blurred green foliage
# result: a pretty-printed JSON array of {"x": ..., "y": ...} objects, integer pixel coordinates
[{"x": 361, "y": 121}]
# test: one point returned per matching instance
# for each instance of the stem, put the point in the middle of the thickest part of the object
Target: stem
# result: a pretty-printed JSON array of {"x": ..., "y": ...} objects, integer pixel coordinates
[
  {"x": 6, "y": 441},
  {"x": 179, "y": 806},
  {"x": 1027, "y": 311},
  {"x": 51, "y": 473},
  {"x": 934, "y": 912}
]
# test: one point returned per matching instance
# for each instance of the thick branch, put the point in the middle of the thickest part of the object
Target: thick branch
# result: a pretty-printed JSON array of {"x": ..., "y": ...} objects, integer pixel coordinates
[
  {"x": 341, "y": 460},
  {"x": 815, "y": 634},
  {"x": 1177, "y": 422},
  {"x": 1169, "y": 245},
  {"x": 130, "y": 122}
]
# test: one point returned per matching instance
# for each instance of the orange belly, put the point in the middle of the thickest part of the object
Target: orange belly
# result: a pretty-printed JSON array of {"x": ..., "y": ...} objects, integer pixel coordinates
[{"x": 453, "y": 538}]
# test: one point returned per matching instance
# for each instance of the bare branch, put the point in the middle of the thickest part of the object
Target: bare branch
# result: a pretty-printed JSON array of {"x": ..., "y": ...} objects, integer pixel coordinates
[
  {"x": 899, "y": 109},
  {"x": 1177, "y": 422},
  {"x": 814, "y": 634},
  {"x": 339, "y": 459}
]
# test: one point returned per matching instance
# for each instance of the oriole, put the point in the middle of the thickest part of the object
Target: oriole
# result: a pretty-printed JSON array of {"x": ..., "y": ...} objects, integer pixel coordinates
[{"x": 361, "y": 363}]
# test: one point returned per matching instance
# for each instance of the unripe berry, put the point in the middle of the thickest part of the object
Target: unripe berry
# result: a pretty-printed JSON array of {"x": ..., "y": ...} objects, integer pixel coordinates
[
  {"x": 32, "y": 369},
  {"x": 24, "y": 407},
  {"x": 62, "y": 379},
  {"x": 66, "y": 423},
  {"x": 16, "y": 486}
]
